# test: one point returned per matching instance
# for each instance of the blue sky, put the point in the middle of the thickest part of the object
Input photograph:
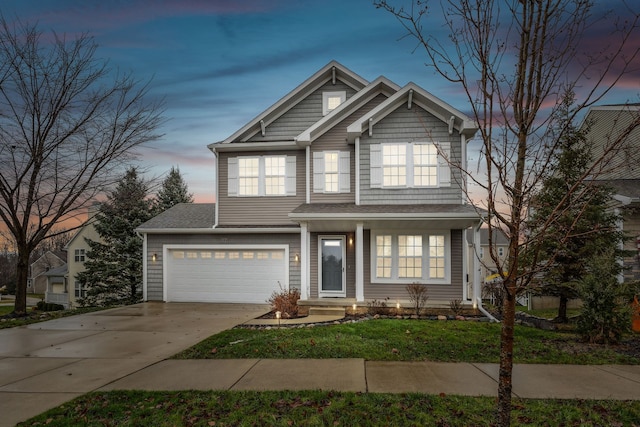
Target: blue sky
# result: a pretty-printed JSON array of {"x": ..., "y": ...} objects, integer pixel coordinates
[{"x": 219, "y": 63}]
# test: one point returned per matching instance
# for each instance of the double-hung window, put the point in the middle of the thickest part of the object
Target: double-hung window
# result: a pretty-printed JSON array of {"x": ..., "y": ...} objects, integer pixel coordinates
[
  {"x": 331, "y": 172},
  {"x": 410, "y": 165},
  {"x": 79, "y": 255},
  {"x": 256, "y": 176},
  {"x": 406, "y": 258}
]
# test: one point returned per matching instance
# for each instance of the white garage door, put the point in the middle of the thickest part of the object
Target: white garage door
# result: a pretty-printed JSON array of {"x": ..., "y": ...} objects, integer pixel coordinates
[{"x": 224, "y": 275}]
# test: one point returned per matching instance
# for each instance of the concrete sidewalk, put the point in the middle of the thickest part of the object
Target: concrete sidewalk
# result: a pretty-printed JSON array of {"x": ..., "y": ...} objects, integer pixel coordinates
[
  {"x": 46, "y": 364},
  {"x": 357, "y": 375}
]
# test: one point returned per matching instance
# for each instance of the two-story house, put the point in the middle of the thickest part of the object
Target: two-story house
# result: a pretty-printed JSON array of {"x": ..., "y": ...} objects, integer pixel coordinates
[
  {"x": 345, "y": 189},
  {"x": 621, "y": 170},
  {"x": 69, "y": 291}
]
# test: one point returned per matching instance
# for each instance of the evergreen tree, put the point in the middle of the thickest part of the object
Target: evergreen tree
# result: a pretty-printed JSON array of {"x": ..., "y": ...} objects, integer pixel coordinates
[
  {"x": 173, "y": 191},
  {"x": 114, "y": 266},
  {"x": 574, "y": 216}
]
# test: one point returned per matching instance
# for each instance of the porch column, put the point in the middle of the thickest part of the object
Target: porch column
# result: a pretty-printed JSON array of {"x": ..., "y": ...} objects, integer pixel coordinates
[
  {"x": 304, "y": 262},
  {"x": 359, "y": 262}
]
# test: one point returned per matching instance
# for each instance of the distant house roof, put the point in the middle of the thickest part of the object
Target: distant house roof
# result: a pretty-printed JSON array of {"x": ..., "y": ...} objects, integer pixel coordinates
[
  {"x": 183, "y": 216},
  {"x": 58, "y": 271},
  {"x": 625, "y": 187}
]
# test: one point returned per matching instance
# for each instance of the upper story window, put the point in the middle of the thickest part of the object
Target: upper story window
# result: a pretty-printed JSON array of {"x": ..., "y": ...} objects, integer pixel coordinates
[
  {"x": 501, "y": 251},
  {"x": 331, "y": 172},
  {"x": 256, "y": 176},
  {"x": 79, "y": 255},
  {"x": 331, "y": 101},
  {"x": 408, "y": 258},
  {"x": 409, "y": 165}
]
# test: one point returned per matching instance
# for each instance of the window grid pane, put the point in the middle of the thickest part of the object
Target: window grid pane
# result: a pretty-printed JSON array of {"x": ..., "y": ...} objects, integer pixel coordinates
[
  {"x": 383, "y": 256},
  {"x": 410, "y": 256},
  {"x": 394, "y": 161},
  {"x": 331, "y": 172},
  {"x": 248, "y": 174},
  {"x": 436, "y": 257},
  {"x": 425, "y": 165},
  {"x": 274, "y": 175}
]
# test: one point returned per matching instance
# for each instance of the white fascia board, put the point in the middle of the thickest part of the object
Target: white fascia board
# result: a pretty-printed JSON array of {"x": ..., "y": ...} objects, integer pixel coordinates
[
  {"x": 289, "y": 100},
  {"x": 255, "y": 146},
  {"x": 244, "y": 230},
  {"x": 384, "y": 216},
  {"x": 425, "y": 100},
  {"x": 378, "y": 86}
]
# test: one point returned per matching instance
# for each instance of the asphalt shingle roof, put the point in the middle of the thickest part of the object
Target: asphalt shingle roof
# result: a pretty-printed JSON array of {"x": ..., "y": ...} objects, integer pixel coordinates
[{"x": 183, "y": 216}]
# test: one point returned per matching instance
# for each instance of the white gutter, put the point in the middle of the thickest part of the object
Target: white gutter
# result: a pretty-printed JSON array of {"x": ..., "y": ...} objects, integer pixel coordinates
[
  {"x": 485, "y": 312},
  {"x": 266, "y": 230}
]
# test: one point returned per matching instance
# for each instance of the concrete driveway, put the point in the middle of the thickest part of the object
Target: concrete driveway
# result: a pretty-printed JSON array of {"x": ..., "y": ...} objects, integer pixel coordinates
[{"x": 46, "y": 364}]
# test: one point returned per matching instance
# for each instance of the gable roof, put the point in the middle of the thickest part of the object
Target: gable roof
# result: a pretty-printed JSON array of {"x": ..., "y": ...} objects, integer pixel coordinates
[
  {"x": 332, "y": 71},
  {"x": 181, "y": 217},
  {"x": 379, "y": 85},
  {"x": 410, "y": 94}
]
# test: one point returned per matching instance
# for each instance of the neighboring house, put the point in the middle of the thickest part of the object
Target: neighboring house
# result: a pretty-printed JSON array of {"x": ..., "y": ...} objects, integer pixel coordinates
[
  {"x": 487, "y": 266},
  {"x": 37, "y": 283},
  {"x": 621, "y": 171},
  {"x": 77, "y": 249},
  {"x": 57, "y": 286},
  {"x": 341, "y": 189}
]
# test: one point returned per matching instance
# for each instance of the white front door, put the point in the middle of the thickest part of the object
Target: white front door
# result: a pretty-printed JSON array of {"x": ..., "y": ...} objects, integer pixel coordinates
[{"x": 332, "y": 266}]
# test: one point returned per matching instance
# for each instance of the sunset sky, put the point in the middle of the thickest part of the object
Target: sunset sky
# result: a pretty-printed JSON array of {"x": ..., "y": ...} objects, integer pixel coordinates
[{"x": 220, "y": 63}]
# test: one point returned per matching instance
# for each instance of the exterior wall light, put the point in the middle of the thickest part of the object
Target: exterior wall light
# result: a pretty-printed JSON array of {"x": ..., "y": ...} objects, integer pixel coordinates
[
  {"x": 296, "y": 258},
  {"x": 154, "y": 257}
]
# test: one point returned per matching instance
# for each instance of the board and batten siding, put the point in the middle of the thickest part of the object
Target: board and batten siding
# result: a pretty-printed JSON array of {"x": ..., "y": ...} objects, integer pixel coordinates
[
  {"x": 335, "y": 139},
  {"x": 301, "y": 116},
  {"x": 155, "y": 242},
  {"x": 436, "y": 292},
  {"x": 414, "y": 125},
  {"x": 350, "y": 264},
  {"x": 263, "y": 210}
]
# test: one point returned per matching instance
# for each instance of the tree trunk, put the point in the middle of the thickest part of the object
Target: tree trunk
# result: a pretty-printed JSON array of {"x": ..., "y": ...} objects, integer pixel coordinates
[
  {"x": 562, "y": 310},
  {"x": 22, "y": 274},
  {"x": 506, "y": 357}
]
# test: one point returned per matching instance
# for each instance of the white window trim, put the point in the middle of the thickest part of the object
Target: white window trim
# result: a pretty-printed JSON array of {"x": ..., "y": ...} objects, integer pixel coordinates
[
  {"x": 325, "y": 100},
  {"x": 233, "y": 177},
  {"x": 376, "y": 166},
  {"x": 344, "y": 172},
  {"x": 395, "y": 279}
]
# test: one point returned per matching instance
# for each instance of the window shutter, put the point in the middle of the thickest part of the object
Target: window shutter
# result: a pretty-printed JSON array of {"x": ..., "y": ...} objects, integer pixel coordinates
[
  {"x": 232, "y": 176},
  {"x": 444, "y": 170},
  {"x": 375, "y": 165},
  {"x": 290, "y": 176},
  {"x": 344, "y": 167},
  {"x": 318, "y": 172}
]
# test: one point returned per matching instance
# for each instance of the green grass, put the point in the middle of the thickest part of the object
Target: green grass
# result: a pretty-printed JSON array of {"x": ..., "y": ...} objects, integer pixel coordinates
[
  {"x": 405, "y": 340},
  {"x": 321, "y": 408},
  {"x": 548, "y": 313},
  {"x": 5, "y": 309},
  {"x": 34, "y": 316}
]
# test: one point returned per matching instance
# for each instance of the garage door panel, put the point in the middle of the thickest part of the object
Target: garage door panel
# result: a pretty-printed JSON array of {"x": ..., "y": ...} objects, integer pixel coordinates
[{"x": 224, "y": 275}]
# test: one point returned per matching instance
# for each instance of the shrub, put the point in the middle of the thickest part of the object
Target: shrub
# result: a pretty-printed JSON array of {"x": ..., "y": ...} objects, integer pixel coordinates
[
  {"x": 285, "y": 301},
  {"x": 456, "y": 306},
  {"x": 605, "y": 314},
  {"x": 417, "y": 296},
  {"x": 48, "y": 306},
  {"x": 377, "y": 307}
]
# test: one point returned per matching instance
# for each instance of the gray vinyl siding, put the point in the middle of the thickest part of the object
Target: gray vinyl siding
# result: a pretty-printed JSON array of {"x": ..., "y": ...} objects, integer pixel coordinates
[
  {"x": 155, "y": 243},
  {"x": 301, "y": 116},
  {"x": 405, "y": 125},
  {"x": 242, "y": 211},
  {"x": 444, "y": 292},
  {"x": 336, "y": 140},
  {"x": 350, "y": 264}
]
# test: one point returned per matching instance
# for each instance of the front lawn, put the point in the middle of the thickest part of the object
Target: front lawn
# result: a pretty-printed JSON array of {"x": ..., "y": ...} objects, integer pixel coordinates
[
  {"x": 410, "y": 340},
  {"x": 322, "y": 408}
]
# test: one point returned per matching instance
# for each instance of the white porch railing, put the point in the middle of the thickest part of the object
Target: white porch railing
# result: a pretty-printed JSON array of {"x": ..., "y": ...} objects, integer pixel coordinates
[{"x": 54, "y": 298}]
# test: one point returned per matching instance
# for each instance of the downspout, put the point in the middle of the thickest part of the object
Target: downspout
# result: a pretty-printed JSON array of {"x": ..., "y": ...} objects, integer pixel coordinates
[{"x": 476, "y": 276}]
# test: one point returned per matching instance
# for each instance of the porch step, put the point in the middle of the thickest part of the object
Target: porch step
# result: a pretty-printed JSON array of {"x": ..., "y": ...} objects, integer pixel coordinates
[{"x": 326, "y": 311}]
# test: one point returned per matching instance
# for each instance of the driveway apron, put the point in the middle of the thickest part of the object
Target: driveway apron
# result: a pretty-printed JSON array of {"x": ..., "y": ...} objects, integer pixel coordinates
[{"x": 46, "y": 364}]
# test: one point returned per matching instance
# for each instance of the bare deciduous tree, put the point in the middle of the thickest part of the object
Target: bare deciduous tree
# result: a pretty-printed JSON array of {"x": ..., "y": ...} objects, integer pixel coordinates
[
  {"x": 68, "y": 125},
  {"x": 515, "y": 60}
]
